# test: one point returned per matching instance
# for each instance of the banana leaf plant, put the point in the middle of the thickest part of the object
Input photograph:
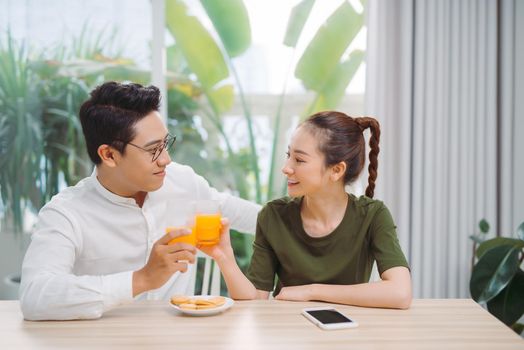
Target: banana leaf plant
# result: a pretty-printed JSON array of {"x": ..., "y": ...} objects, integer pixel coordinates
[
  {"x": 322, "y": 67},
  {"x": 212, "y": 62},
  {"x": 325, "y": 68},
  {"x": 497, "y": 279},
  {"x": 205, "y": 59}
]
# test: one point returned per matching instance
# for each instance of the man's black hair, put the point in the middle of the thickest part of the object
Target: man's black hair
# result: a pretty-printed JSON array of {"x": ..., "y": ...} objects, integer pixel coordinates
[{"x": 110, "y": 114}]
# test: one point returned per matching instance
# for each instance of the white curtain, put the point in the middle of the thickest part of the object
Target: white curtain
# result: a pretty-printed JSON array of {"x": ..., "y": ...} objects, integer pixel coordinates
[
  {"x": 435, "y": 82},
  {"x": 511, "y": 193}
]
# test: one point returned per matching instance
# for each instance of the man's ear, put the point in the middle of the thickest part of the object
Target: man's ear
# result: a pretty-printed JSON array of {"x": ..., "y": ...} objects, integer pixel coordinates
[
  {"x": 108, "y": 155},
  {"x": 337, "y": 171}
]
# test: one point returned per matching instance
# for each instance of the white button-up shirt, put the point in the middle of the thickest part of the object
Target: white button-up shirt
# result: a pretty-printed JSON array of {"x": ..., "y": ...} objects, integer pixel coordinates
[{"x": 89, "y": 241}]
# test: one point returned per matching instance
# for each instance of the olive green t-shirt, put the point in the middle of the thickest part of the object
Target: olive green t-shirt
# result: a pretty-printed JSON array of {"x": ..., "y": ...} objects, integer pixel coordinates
[{"x": 345, "y": 256}]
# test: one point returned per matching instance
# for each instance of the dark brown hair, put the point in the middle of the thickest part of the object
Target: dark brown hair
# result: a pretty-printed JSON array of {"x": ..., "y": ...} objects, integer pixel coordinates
[
  {"x": 110, "y": 114},
  {"x": 341, "y": 139}
]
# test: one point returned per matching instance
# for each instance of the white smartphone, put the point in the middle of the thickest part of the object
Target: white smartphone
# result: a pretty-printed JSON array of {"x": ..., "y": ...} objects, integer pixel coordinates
[{"x": 328, "y": 318}]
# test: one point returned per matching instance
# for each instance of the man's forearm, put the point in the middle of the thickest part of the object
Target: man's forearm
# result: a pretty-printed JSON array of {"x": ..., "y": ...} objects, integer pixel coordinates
[{"x": 68, "y": 297}]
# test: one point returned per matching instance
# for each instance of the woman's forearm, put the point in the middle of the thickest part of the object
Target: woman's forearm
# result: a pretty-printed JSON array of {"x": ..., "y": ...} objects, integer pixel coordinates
[
  {"x": 394, "y": 291},
  {"x": 387, "y": 294},
  {"x": 238, "y": 285}
]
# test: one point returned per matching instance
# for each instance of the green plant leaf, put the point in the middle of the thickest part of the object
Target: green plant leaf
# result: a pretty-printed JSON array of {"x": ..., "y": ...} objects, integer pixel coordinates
[
  {"x": 127, "y": 73},
  {"x": 498, "y": 241},
  {"x": 45, "y": 69},
  {"x": 231, "y": 22},
  {"x": 222, "y": 98},
  {"x": 21, "y": 144},
  {"x": 493, "y": 272},
  {"x": 334, "y": 89},
  {"x": 483, "y": 226},
  {"x": 198, "y": 47},
  {"x": 322, "y": 55},
  {"x": 297, "y": 20},
  {"x": 520, "y": 231},
  {"x": 518, "y": 328},
  {"x": 175, "y": 61},
  {"x": 181, "y": 99},
  {"x": 508, "y": 305}
]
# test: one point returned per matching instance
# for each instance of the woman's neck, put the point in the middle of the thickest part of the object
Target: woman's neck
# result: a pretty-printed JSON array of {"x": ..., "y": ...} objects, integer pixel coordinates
[{"x": 321, "y": 214}]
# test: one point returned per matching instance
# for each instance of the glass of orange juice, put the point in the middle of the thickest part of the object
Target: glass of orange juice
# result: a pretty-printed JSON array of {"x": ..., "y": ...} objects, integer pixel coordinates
[
  {"x": 207, "y": 222},
  {"x": 189, "y": 238}
]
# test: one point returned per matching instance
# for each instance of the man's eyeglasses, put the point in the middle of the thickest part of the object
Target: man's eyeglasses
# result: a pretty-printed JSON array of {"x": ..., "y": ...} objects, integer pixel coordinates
[{"x": 166, "y": 144}]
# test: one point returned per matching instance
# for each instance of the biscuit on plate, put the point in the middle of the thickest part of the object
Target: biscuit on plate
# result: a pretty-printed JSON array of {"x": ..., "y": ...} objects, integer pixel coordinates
[
  {"x": 179, "y": 299},
  {"x": 187, "y": 306},
  {"x": 204, "y": 302},
  {"x": 218, "y": 301}
]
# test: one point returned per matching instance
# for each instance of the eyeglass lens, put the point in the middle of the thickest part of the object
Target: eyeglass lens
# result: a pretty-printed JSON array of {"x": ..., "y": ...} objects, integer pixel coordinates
[{"x": 168, "y": 142}]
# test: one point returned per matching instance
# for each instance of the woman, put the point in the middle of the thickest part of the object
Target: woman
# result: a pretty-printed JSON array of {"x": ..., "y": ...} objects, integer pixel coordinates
[{"x": 321, "y": 242}]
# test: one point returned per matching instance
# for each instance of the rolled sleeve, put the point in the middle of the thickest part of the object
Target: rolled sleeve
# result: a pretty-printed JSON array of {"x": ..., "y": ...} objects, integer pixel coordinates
[{"x": 117, "y": 289}]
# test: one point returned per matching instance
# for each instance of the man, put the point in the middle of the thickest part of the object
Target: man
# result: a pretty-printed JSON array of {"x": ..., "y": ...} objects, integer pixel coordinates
[{"x": 102, "y": 243}]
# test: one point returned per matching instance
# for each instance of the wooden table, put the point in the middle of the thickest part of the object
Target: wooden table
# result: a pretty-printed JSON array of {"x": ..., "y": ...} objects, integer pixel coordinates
[{"x": 428, "y": 324}]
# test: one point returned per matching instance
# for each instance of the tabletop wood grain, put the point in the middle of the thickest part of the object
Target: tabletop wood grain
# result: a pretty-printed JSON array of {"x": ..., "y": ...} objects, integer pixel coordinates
[{"x": 264, "y": 324}]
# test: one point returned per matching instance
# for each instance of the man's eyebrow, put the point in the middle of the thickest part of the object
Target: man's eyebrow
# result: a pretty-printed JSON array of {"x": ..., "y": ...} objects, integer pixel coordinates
[{"x": 154, "y": 142}]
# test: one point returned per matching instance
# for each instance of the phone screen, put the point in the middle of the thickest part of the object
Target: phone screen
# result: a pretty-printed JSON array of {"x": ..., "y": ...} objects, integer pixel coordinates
[{"x": 329, "y": 316}]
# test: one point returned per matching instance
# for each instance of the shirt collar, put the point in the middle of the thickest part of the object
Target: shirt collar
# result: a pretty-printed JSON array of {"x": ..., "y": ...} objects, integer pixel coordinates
[{"x": 108, "y": 194}]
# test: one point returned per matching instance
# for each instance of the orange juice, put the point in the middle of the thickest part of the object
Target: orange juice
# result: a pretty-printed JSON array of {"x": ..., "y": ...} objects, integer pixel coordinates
[
  {"x": 189, "y": 239},
  {"x": 207, "y": 227}
]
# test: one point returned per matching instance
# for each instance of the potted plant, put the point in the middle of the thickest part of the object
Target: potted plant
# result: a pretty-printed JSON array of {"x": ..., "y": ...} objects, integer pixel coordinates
[
  {"x": 497, "y": 278},
  {"x": 41, "y": 142}
]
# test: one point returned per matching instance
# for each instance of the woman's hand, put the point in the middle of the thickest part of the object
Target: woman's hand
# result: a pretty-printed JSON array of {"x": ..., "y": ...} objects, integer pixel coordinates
[
  {"x": 238, "y": 285},
  {"x": 296, "y": 293}
]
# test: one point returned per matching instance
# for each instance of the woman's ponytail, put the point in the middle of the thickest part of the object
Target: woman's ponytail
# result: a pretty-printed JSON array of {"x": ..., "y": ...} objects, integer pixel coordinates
[{"x": 374, "y": 126}]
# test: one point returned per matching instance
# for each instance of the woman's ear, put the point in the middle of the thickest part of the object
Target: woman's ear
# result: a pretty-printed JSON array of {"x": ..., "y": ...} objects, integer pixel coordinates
[
  {"x": 107, "y": 154},
  {"x": 337, "y": 171}
]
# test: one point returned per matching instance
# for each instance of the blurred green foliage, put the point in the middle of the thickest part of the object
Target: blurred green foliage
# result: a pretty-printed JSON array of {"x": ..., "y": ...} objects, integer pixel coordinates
[
  {"x": 497, "y": 277},
  {"x": 41, "y": 144}
]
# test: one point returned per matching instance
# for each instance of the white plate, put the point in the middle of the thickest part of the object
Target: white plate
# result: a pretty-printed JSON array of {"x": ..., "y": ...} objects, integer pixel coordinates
[{"x": 205, "y": 312}]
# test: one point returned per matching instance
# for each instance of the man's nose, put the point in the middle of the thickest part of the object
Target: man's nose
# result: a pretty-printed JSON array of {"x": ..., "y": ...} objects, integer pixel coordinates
[{"x": 164, "y": 158}]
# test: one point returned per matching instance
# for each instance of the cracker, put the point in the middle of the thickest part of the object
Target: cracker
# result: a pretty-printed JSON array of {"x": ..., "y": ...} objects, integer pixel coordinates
[
  {"x": 187, "y": 303},
  {"x": 179, "y": 299},
  {"x": 188, "y": 306},
  {"x": 204, "y": 302},
  {"x": 218, "y": 301}
]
